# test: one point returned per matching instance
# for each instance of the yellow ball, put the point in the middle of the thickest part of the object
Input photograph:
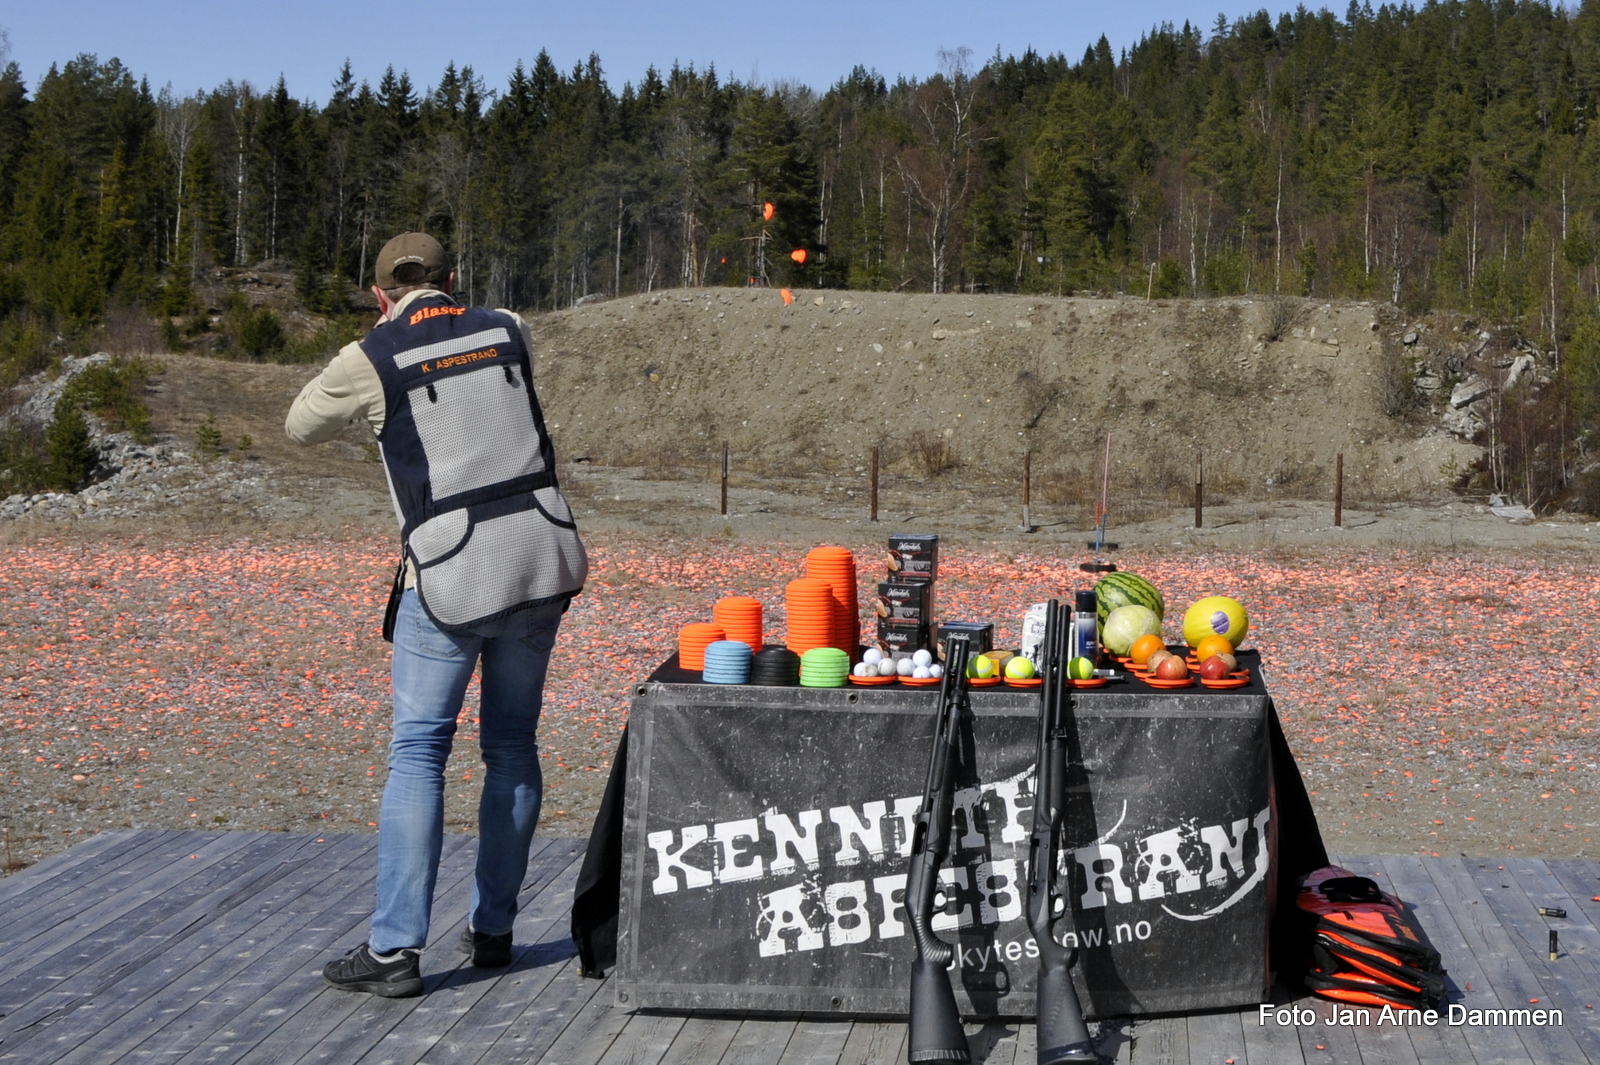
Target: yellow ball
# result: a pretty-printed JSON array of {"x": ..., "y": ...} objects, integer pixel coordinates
[
  {"x": 1215, "y": 615},
  {"x": 979, "y": 667},
  {"x": 1019, "y": 668}
]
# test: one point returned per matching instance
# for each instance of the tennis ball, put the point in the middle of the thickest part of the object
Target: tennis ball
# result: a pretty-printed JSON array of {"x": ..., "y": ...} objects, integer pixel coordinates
[
  {"x": 1019, "y": 668},
  {"x": 980, "y": 668},
  {"x": 1080, "y": 669}
]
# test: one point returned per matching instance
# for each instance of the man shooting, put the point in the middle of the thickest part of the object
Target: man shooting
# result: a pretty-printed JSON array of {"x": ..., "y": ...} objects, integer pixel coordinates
[{"x": 490, "y": 559}]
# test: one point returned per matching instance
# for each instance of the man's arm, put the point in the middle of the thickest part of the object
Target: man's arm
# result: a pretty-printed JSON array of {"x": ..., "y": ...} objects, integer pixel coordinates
[{"x": 349, "y": 388}]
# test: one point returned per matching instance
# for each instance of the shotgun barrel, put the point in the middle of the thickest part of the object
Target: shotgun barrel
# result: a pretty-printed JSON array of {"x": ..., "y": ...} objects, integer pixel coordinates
[
  {"x": 936, "y": 1034},
  {"x": 1062, "y": 1035}
]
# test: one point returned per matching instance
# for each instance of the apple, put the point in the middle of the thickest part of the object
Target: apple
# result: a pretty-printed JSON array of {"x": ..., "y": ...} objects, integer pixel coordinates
[
  {"x": 1172, "y": 668},
  {"x": 1156, "y": 658},
  {"x": 1214, "y": 668},
  {"x": 1233, "y": 663}
]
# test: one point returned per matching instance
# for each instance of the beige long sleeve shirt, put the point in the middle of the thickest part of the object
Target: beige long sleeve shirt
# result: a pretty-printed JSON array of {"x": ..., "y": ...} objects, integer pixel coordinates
[{"x": 349, "y": 388}]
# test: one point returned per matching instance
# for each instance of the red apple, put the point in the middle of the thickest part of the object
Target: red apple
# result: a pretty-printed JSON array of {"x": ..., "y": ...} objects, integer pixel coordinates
[
  {"x": 1156, "y": 658},
  {"x": 1172, "y": 668},
  {"x": 1214, "y": 668}
]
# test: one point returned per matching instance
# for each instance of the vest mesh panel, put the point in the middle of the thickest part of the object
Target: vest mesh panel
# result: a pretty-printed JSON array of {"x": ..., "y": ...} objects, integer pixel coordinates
[
  {"x": 470, "y": 431},
  {"x": 474, "y": 581}
]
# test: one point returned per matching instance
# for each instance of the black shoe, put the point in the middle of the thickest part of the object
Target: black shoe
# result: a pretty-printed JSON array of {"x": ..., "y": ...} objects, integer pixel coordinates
[
  {"x": 360, "y": 971},
  {"x": 488, "y": 952}
]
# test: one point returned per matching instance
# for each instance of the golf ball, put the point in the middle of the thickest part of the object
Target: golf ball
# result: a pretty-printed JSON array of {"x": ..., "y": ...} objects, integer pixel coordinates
[
  {"x": 921, "y": 672},
  {"x": 863, "y": 669},
  {"x": 936, "y": 670},
  {"x": 923, "y": 657},
  {"x": 904, "y": 667},
  {"x": 872, "y": 656},
  {"x": 886, "y": 668}
]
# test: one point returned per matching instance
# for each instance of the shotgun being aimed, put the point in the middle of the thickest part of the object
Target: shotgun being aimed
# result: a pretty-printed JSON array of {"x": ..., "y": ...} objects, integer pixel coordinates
[
  {"x": 936, "y": 1033},
  {"x": 1063, "y": 1037}
]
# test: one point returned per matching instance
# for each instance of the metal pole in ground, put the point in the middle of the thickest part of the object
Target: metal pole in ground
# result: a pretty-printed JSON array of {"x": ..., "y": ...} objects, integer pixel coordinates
[
  {"x": 1338, "y": 491},
  {"x": 1027, "y": 491},
  {"x": 724, "y": 478},
  {"x": 1199, "y": 511},
  {"x": 874, "y": 484}
]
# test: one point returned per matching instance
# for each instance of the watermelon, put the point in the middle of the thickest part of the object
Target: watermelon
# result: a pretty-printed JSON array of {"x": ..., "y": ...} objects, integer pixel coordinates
[{"x": 1126, "y": 589}]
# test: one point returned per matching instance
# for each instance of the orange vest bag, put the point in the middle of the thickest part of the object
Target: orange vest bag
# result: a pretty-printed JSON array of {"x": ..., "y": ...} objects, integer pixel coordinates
[{"x": 1367, "y": 948}]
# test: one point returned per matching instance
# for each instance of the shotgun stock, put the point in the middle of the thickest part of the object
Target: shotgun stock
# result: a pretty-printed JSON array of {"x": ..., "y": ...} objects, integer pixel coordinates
[
  {"x": 936, "y": 1033},
  {"x": 1063, "y": 1037}
]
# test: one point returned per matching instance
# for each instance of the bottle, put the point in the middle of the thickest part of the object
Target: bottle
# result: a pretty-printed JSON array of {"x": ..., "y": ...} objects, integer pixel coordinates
[{"x": 1085, "y": 637}]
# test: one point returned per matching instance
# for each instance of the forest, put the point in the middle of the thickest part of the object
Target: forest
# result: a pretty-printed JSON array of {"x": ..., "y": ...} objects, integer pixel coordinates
[{"x": 1434, "y": 157}]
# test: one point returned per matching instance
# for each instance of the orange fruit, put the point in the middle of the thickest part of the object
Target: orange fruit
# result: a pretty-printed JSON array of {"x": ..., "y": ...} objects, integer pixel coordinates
[
  {"x": 1212, "y": 645},
  {"x": 1144, "y": 647}
]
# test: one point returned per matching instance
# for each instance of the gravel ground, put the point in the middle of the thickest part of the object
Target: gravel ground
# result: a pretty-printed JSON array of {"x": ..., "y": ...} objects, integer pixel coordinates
[{"x": 1438, "y": 701}]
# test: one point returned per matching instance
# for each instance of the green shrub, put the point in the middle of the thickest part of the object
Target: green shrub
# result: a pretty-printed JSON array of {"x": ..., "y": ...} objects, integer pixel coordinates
[
  {"x": 114, "y": 392},
  {"x": 69, "y": 451},
  {"x": 208, "y": 438},
  {"x": 259, "y": 333}
]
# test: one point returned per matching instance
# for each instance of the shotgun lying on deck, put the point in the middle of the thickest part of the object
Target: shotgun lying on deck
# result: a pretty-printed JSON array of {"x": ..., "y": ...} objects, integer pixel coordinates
[
  {"x": 1063, "y": 1037},
  {"x": 936, "y": 1032}
]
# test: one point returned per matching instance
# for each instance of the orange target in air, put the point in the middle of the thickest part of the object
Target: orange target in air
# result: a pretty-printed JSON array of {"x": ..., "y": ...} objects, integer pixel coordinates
[
  {"x": 767, "y": 211},
  {"x": 788, "y": 297},
  {"x": 799, "y": 256}
]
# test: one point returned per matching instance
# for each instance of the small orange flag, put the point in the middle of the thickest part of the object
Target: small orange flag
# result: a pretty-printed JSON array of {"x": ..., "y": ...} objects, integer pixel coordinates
[
  {"x": 788, "y": 297},
  {"x": 799, "y": 256},
  {"x": 768, "y": 210}
]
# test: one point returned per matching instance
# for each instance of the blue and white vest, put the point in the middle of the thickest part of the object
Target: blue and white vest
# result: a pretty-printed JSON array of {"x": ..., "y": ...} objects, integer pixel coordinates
[{"x": 471, "y": 469}]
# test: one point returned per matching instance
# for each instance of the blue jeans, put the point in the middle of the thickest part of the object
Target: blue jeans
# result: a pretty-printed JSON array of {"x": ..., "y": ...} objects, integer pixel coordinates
[{"x": 431, "y": 670}]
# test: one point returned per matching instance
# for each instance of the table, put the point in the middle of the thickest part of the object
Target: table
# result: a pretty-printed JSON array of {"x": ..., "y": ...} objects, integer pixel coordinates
[{"x": 756, "y": 843}]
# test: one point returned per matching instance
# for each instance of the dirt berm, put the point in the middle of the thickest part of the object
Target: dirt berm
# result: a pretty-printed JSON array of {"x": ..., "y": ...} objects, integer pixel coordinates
[{"x": 1268, "y": 390}]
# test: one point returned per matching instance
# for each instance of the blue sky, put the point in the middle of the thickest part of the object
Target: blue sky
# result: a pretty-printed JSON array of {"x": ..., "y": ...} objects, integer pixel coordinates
[{"x": 197, "y": 45}]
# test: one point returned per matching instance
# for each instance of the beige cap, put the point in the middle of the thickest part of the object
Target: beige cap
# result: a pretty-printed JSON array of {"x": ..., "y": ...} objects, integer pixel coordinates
[{"x": 411, "y": 259}]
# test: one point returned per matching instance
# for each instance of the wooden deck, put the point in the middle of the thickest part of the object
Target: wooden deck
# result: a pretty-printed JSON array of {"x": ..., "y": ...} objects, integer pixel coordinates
[{"x": 206, "y": 947}]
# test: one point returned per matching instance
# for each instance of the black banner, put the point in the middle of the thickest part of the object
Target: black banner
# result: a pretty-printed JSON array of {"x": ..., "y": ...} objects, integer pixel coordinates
[{"x": 765, "y": 849}]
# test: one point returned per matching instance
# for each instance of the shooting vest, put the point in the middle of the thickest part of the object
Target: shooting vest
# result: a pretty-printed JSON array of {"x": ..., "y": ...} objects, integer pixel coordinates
[{"x": 471, "y": 469}]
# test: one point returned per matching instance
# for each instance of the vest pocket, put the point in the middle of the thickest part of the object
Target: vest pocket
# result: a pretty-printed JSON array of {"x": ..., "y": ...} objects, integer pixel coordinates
[{"x": 440, "y": 536}]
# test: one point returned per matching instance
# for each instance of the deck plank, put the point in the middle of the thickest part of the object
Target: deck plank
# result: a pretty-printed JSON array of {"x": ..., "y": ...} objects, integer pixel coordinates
[
  {"x": 1160, "y": 1041},
  {"x": 581, "y": 1037},
  {"x": 334, "y": 1023},
  {"x": 44, "y": 924},
  {"x": 216, "y": 961},
  {"x": 543, "y": 907},
  {"x": 265, "y": 1032},
  {"x": 759, "y": 1041},
  {"x": 1568, "y": 982},
  {"x": 818, "y": 1041},
  {"x": 176, "y": 982},
  {"x": 701, "y": 1039},
  {"x": 102, "y": 847},
  {"x": 875, "y": 1043},
  {"x": 644, "y": 1040},
  {"x": 1216, "y": 1037},
  {"x": 1513, "y": 982},
  {"x": 100, "y": 973}
]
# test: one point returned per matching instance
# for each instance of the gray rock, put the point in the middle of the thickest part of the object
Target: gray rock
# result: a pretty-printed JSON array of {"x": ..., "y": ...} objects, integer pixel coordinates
[
  {"x": 1427, "y": 382},
  {"x": 1520, "y": 366},
  {"x": 1465, "y": 423},
  {"x": 1469, "y": 391},
  {"x": 1410, "y": 338}
]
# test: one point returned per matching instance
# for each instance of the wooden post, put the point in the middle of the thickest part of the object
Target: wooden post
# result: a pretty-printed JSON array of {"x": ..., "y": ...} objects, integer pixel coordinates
[
  {"x": 874, "y": 484},
  {"x": 1338, "y": 491},
  {"x": 724, "y": 478},
  {"x": 1199, "y": 506},
  {"x": 1027, "y": 491}
]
